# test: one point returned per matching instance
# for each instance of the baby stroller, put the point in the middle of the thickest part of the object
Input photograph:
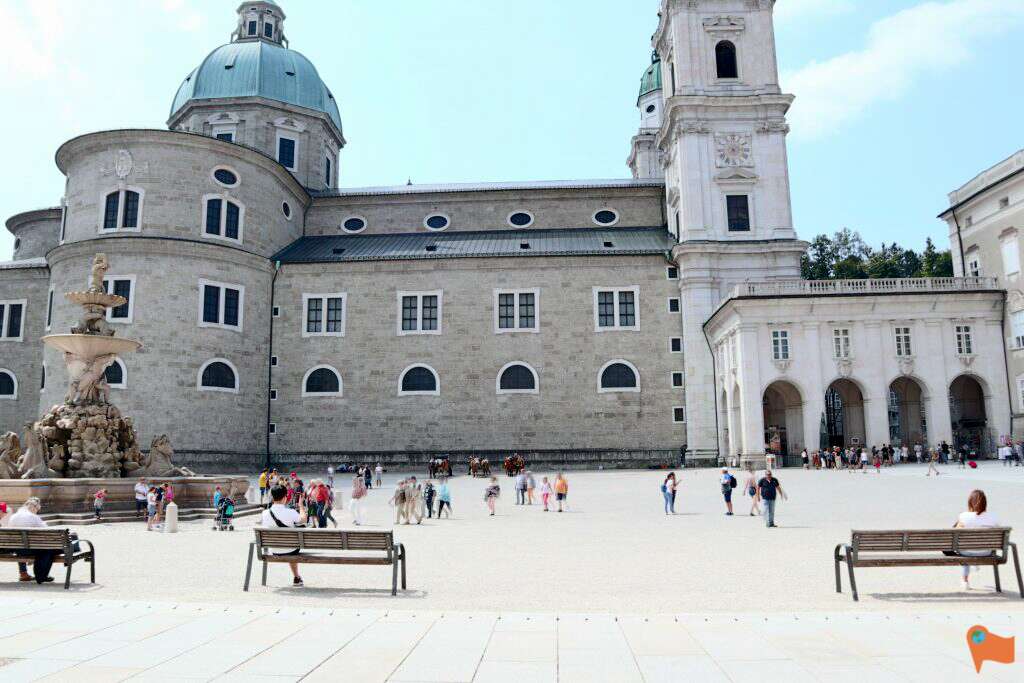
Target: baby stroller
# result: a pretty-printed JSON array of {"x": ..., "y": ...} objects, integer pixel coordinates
[{"x": 225, "y": 515}]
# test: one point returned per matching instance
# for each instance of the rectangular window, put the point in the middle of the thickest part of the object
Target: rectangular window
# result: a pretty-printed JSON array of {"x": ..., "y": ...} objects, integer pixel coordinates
[
  {"x": 121, "y": 286},
  {"x": 738, "y": 207},
  {"x": 419, "y": 313},
  {"x": 221, "y": 305},
  {"x": 223, "y": 218},
  {"x": 286, "y": 152},
  {"x": 63, "y": 221},
  {"x": 903, "y": 348},
  {"x": 1017, "y": 329},
  {"x": 677, "y": 380},
  {"x": 1011, "y": 256},
  {"x": 672, "y": 273},
  {"x": 226, "y": 137},
  {"x": 516, "y": 310},
  {"x": 49, "y": 308},
  {"x": 121, "y": 210},
  {"x": 780, "y": 344},
  {"x": 268, "y": 30},
  {"x": 327, "y": 171},
  {"x": 325, "y": 315},
  {"x": 679, "y": 414},
  {"x": 273, "y": 394},
  {"x": 110, "y": 211},
  {"x": 213, "y": 211},
  {"x": 1004, "y": 202},
  {"x": 11, "y": 313},
  {"x": 131, "y": 210},
  {"x": 841, "y": 343},
  {"x": 973, "y": 265},
  {"x": 673, "y": 305},
  {"x": 616, "y": 309},
  {"x": 252, "y": 28},
  {"x": 964, "y": 346},
  {"x": 232, "y": 221},
  {"x": 675, "y": 345}
]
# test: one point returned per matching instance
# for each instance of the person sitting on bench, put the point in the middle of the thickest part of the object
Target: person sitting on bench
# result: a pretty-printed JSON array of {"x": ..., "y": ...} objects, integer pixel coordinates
[
  {"x": 976, "y": 516},
  {"x": 280, "y": 515},
  {"x": 27, "y": 516}
]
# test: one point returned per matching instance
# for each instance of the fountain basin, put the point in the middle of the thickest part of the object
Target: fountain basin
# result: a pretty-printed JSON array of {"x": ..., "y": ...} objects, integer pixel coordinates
[
  {"x": 91, "y": 345},
  {"x": 96, "y": 299}
]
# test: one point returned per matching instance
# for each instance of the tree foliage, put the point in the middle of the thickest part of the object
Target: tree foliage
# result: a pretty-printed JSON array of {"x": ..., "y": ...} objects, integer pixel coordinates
[{"x": 845, "y": 256}]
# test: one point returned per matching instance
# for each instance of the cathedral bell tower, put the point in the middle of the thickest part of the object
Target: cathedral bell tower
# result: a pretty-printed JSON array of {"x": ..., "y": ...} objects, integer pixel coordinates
[{"x": 723, "y": 146}]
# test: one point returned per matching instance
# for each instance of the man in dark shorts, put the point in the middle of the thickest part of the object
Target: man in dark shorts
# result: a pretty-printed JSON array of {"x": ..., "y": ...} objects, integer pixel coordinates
[
  {"x": 769, "y": 487},
  {"x": 728, "y": 484}
]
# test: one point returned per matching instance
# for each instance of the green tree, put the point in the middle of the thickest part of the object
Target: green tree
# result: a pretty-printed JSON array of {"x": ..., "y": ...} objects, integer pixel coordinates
[{"x": 845, "y": 256}]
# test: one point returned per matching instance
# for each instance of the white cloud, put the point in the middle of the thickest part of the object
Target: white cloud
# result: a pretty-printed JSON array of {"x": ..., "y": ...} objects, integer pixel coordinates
[
  {"x": 790, "y": 11},
  {"x": 900, "y": 48},
  {"x": 32, "y": 37}
]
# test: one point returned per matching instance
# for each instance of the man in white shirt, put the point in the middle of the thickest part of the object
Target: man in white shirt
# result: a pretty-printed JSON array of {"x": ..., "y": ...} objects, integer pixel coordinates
[
  {"x": 27, "y": 517},
  {"x": 280, "y": 515},
  {"x": 140, "y": 497}
]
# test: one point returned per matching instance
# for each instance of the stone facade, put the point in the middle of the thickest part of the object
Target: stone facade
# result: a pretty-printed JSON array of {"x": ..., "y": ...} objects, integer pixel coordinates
[
  {"x": 26, "y": 281},
  {"x": 35, "y": 232}
]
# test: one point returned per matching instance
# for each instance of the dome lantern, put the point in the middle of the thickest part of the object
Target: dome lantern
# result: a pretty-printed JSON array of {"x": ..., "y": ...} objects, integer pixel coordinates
[{"x": 260, "y": 20}]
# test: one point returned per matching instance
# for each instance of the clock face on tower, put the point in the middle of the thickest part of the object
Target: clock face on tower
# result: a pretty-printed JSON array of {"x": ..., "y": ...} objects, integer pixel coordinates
[{"x": 733, "y": 149}]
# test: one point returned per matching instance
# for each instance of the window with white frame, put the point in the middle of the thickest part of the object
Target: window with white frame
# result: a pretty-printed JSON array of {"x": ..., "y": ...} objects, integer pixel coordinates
[
  {"x": 1010, "y": 250},
  {"x": 419, "y": 380},
  {"x": 675, "y": 344},
  {"x": 225, "y": 132},
  {"x": 1017, "y": 329},
  {"x": 964, "y": 345},
  {"x": 673, "y": 305},
  {"x": 63, "y": 222},
  {"x": 841, "y": 343},
  {"x": 11, "y": 320},
  {"x": 222, "y": 217},
  {"x": 517, "y": 378},
  {"x": 287, "y": 151},
  {"x": 671, "y": 272},
  {"x": 973, "y": 264},
  {"x": 8, "y": 385},
  {"x": 328, "y": 171},
  {"x": 516, "y": 310},
  {"x": 121, "y": 285},
  {"x": 679, "y": 414},
  {"x": 323, "y": 315},
  {"x": 322, "y": 381},
  {"x": 116, "y": 374},
  {"x": 616, "y": 308},
  {"x": 618, "y": 376},
  {"x": 218, "y": 374},
  {"x": 121, "y": 210},
  {"x": 221, "y": 305},
  {"x": 677, "y": 380},
  {"x": 49, "y": 308},
  {"x": 903, "y": 348},
  {"x": 419, "y": 312},
  {"x": 780, "y": 344}
]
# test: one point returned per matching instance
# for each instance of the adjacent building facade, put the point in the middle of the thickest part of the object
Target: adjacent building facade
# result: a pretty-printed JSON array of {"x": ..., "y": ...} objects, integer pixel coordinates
[{"x": 286, "y": 317}]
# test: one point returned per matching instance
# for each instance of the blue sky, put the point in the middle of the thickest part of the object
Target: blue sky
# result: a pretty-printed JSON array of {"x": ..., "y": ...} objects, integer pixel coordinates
[{"x": 898, "y": 101}]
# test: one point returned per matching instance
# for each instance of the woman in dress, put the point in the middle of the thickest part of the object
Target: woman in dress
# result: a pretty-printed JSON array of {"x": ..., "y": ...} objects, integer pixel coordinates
[{"x": 491, "y": 494}]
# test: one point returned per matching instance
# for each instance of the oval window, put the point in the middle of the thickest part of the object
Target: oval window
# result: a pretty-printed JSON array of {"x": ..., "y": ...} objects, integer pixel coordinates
[
  {"x": 437, "y": 222},
  {"x": 354, "y": 224},
  {"x": 651, "y": 108},
  {"x": 606, "y": 217},
  {"x": 225, "y": 177},
  {"x": 17, "y": 244},
  {"x": 287, "y": 210},
  {"x": 520, "y": 219}
]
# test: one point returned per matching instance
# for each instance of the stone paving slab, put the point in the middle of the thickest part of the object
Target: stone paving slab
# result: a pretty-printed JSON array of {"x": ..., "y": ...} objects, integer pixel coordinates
[{"x": 71, "y": 639}]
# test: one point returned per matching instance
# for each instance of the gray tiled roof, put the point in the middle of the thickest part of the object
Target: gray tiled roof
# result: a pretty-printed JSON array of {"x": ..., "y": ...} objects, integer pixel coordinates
[
  {"x": 564, "y": 242},
  {"x": 427, "y": 188}
]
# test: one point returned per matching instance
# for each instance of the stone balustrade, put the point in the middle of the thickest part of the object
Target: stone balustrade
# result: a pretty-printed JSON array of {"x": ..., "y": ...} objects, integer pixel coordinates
[{"x": 871, "y": 286}]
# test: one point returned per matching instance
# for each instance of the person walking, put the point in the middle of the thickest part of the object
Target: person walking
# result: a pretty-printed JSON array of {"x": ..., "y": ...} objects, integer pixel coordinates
[
  {"x": 356, "y": 499},
  {"x": 152, "y": 509},
  {"x": 668, "y": 491},
  {"x": 413, "y": 501},
  {"x": 728, "y": 483},
  {"x": 562, "y": 490},
  {"x": 97, "y": 502},
  {"x": 281, "y": 515},
  {"x": 531, "y": 484},
  {"x": 751, "y": 489},
  {"x": 545, "y": 492},
  {"x": 263, "y": 482},
  {"x": 491, "y": 494},
  {"x": 521, "y": 488},
  {"x": 806, "y": 459},
  {"x": 976, "y": 516},
  {"x": 682, "y": 456},
  {"x": 769, "y": 487},
  {"x": 378, "y": 475},
  {"x": 429, "y": 492},
  {"x": 398, "y": 500},
  {"x": 444, "y": 498},
  {"x": 931, "y": 464},
  {"x": 141, "y": 490}
]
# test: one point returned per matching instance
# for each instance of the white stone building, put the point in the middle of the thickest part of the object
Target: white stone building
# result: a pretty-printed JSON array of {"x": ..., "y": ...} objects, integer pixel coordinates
[{"x": 287, "y": 318}]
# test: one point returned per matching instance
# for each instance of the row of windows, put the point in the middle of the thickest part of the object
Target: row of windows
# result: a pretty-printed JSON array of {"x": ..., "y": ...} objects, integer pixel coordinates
[
  {"x": 842, "y": 347},
  {"x": 516, "y": 219}
]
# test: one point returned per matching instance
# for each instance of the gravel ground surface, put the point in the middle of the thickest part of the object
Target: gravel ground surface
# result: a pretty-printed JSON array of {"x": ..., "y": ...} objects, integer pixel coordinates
[{"x": 613, "y": 550}]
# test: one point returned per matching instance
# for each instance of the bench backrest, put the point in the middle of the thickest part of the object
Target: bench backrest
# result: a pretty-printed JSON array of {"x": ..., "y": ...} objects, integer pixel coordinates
[
  {"x": 325, "y": 539},
  {"x": 922, "y": 540},
  {"x": 34, "y": 538}
]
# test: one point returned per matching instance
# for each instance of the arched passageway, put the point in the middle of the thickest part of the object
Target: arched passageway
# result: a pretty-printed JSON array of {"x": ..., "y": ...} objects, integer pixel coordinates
[
  {"x": 783, "y": 418},
  {"x": 844, "y": 414},
  {"x": 967, "y": 415},
  {"x": 908, "y": 424}
]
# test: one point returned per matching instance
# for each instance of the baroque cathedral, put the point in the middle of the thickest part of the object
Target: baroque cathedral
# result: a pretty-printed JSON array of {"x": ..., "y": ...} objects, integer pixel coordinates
[{"x": 287, "y": 318}]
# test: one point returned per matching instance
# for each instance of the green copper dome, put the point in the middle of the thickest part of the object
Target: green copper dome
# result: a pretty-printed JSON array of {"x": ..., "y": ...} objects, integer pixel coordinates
[
  {"x": 258, "y": 68},
  {"x": 651, "y": 80}
]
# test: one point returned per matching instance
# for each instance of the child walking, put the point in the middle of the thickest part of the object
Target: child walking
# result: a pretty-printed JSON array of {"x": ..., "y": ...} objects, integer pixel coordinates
[
  {"x": 491, "y": 494},
  {"x": 561, "y": 490},
  {"x": 545, "y": 492},
  {"x": 97, "y": 502}
]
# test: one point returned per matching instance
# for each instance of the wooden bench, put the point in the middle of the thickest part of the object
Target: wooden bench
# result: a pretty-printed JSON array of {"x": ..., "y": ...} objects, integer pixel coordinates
[
  {"x": 893, "y": 548},
  {"x": 370, "y": 547},
  {"x": 13, "y": 539}
]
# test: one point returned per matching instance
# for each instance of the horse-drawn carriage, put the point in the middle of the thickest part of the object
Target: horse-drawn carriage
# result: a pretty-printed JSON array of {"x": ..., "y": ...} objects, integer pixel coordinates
[
  {"x": 514, "y": 464},
  {"x": 479, "y": 467},
  {"x": 439, "y": 467}
]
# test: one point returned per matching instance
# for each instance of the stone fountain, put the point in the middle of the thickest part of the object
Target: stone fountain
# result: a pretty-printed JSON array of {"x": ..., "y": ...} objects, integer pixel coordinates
[{"x": 86, "y": 438}]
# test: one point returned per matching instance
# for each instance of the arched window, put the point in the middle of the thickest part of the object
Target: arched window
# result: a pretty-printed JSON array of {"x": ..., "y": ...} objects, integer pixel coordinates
[
  {"x": 8, "y": 384},
  {"x": 725, "y": 59},
  {"x": 517, "y": 378},
  {"x": 222, "y": 217},
  {"x": 419, "y": 380},
  {"x": 323, "y": 380},
  {"x": 618, "y": 375},
  {"x": 120, "y": 209},
  {"x": 116, "y": 374},
  {"x": 218, "y": 375}
]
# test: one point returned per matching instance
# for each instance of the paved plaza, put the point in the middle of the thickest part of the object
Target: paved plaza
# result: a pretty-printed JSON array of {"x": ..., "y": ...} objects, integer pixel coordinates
[{"x": 612, "y": 589}]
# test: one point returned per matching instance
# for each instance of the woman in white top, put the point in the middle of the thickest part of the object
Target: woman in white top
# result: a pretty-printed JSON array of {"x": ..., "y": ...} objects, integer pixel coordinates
[{"x": 977, "y": 516}]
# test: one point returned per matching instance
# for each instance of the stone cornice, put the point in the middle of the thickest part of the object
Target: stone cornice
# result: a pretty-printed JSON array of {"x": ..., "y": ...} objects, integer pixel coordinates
[
  {"x": 248, "y": 103},
  {"x": 20, "y": 220},
  {"x": 177, "y": 247}
]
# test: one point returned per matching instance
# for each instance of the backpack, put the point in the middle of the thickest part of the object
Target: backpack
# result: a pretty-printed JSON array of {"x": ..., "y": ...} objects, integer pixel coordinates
[{"x": 732, "y": 482}]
